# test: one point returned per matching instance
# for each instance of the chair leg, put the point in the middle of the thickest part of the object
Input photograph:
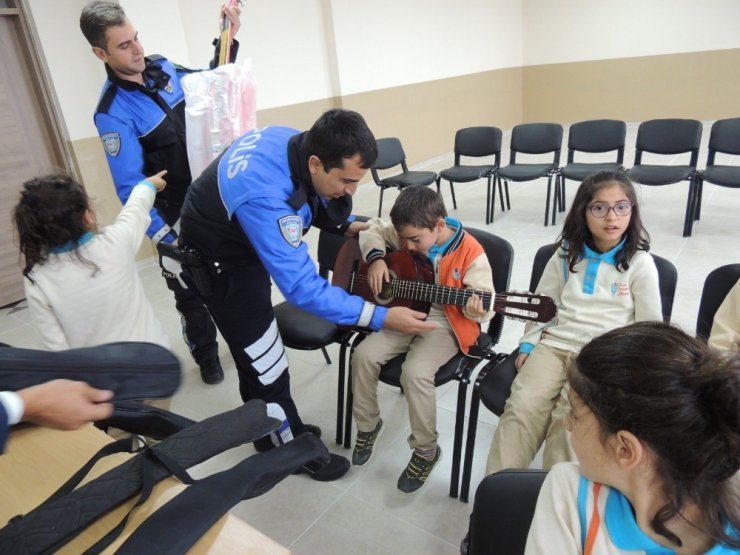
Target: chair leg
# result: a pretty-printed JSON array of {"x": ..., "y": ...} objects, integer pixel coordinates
[
  {"x": 452, "y": 190},
  {"x": 562, "y": 194},
  {"x": 438, "y": 181},
  {"x": 691, "y": 201},
  {"x": 470, "y": 445},
  {"x": 698, "y": 194},
  {"x": 556, "y": 196},
  {"x": 341, "y": 378},
  {"x": 547, "y": 201},
  {"x": 491, "y": 206},
  {"x": 380, "y": 204},
  {"x": 326, "y": 355},
  {"x": 457, "y": 446},
  {"x": 506, "y": 188}
]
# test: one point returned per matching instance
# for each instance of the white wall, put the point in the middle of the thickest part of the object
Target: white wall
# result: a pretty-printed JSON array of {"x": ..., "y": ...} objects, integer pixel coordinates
[
  {"x": 579, "y": 30},
  {"x": 387, "y": 43}
]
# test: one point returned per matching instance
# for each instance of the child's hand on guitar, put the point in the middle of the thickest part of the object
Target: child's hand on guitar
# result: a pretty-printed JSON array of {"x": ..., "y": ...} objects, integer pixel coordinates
[
  {"x": 474, "y": 307},
  {"x": 403, "y": 319},
  {"x": 377, "y": 273}
]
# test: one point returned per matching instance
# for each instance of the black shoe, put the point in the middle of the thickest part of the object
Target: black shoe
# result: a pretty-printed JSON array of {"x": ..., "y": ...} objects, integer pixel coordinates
[
  {"x": 211, "y": 372},
  {"x": 326, "y": 472},
  {"x": 264, "y": 444},
  {"x": 364, "y": 445},
  {"x": 465, "y": 544},
  {"x": 414, "y": 477}
]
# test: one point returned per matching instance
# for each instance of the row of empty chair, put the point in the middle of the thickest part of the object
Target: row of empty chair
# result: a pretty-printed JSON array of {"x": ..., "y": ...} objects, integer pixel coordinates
[{"x": 664, "y": 137}]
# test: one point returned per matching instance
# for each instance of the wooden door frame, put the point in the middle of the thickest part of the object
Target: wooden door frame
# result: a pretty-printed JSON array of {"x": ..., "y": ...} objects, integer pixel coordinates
[{"x": 42, "y": 83}]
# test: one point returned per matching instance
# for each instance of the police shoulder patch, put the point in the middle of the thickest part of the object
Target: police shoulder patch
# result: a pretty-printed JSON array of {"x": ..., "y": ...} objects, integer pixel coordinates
[
  {"x": 111, "y": 143},
  {"x": 292, "y": 229}
]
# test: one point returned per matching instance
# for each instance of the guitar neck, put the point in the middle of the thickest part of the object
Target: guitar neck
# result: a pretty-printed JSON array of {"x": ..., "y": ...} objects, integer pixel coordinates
[{"x": 441, "y": 294}]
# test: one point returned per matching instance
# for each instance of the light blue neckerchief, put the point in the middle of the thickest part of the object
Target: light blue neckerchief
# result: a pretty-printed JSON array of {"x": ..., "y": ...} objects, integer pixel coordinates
[{"x": 72, "y": 245}]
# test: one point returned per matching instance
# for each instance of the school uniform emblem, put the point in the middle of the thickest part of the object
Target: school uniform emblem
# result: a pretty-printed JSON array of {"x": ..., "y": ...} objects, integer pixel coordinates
[
  {"x": 111, "y": 143},
  {"x": 292, "y": 229}
]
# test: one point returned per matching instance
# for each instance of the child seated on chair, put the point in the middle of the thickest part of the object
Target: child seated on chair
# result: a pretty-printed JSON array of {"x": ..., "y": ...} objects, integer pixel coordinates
[
  {"x": 418, "y": 225},
  {"x": 655, "y": 422}
]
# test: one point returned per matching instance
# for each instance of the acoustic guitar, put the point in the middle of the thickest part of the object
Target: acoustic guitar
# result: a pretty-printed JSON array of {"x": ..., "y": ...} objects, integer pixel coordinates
[{"x": 412, "y": 285}]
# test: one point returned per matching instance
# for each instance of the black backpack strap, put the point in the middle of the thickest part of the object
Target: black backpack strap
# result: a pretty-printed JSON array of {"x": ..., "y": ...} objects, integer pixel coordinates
[
  {"x": 54, "y": 523},
  {"x": 191, "y": 513}
]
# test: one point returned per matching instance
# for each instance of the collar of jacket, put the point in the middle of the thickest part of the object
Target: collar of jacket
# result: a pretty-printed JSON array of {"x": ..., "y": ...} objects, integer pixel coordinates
[
  {"x": 324, "y": 214},
  {"x": 155, "y": 78}
]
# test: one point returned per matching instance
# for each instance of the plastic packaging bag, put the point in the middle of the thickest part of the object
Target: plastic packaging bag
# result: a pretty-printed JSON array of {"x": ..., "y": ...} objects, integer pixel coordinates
[{"x": 220, "y": 105}]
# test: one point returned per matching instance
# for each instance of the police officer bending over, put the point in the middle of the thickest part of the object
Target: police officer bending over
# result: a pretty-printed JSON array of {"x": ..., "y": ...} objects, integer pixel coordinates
[
  {"x": 246, "y": 215},
  {"x": 141, "y": 121}
]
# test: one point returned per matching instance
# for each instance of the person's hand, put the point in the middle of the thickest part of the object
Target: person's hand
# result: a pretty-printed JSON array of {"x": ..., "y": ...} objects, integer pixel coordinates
[
  {"x": 65, "y": 404},
  {"x": 232, "y": 13},
  {"x": 377, "y": 273},
  {"x": 403, "y": 319},
  {"x": 519, "y": 360},
  {"x": 354, "y": 229},
  {"x": 157, "y": 180},
  {"x": 474, "y": 306}
]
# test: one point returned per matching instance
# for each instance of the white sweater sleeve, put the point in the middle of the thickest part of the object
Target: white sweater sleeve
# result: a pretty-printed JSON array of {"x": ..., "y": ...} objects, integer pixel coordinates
[
  {"x": 47, "y": 325},
  {"x": 134, "y": 218},
  {"x": 551, "y": 285},
  {"x": 726, "y": 326},
  {"x": 379, "y": 234},
  {"x": 556, "y": 527}
]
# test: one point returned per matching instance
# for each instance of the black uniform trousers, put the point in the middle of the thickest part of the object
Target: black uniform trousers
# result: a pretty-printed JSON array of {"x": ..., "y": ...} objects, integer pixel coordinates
[
  {"x": 198, "y": 328},
  {"x": 241, "y": 306}
]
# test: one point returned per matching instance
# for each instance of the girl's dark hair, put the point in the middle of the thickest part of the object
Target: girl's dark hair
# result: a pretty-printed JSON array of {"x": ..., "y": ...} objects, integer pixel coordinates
[
  {"x": 682, "y": 399},
  {"x": 50, "y": 212},
  {"x": 576, "y": 234},
  {"x": 419, "y": 206}
]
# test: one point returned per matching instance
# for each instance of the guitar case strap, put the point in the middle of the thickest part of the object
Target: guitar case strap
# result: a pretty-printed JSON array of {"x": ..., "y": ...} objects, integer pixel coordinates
[
  {"x": 191, "y": 513},
  {"x": 144, "y": 420},
  {"x": 132, "y": 370},
  {"x": 61, "y": 517}
]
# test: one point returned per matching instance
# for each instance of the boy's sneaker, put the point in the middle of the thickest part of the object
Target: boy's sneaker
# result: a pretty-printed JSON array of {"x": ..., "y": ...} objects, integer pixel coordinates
[
  {"x": 417, "y": 471},
  {"x": 364, "y": 445}
]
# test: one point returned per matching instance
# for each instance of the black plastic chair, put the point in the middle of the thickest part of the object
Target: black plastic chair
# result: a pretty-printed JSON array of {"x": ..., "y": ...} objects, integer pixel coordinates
[
  {"x": 669, "y": 137},
  {"x": 716, "y": 286},
  {"x": 503, "y": 511},
  {"x": 725, "y": 139},
  {"x": 390, "y": 154},
  {"x": 475, "y": 142},
  {"x": 592, "y": 136},
  {"x": 500, "y": 254},
  {"x": 533, "y": 138},
  {"x": 492, "y": 386},
  {"x": 303, "y": 331}
]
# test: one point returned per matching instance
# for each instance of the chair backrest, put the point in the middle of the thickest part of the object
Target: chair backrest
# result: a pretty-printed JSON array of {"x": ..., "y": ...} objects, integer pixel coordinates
[
  {"x": 724, "y": 137},
  {"x": 390, "y": 153},
  {"x": 328, "y": 249},
  {"x": 500, "y": 255},
  {"x": 503, "y": 510},
  {"x": 536, "y": 138},
  {"x": 478, "y": 141},
  {"x": 716, "y": 286},
  {"x": 669, "y": 136},
  {"x": 598, "y": 135},
  {"x": 667, "y": 277}
]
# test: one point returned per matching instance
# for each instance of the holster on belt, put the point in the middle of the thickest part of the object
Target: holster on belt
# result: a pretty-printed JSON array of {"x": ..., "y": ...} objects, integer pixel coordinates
[{"x": 192, "y": 263}]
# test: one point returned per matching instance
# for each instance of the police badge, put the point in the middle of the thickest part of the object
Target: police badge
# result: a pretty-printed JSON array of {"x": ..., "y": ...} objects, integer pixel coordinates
[
  {"x": 111, "y": 143},
  {"x": 168, "y": 88},
  {"x": 292, "y": 228}
]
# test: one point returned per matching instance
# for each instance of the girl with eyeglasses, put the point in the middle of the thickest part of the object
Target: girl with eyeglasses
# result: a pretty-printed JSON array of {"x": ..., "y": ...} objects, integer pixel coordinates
[
  {"x": 655, "y": 422},
  {"x": 601, "y": 277}
]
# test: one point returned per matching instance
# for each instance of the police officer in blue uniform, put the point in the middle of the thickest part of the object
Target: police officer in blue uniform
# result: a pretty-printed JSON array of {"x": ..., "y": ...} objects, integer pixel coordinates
[
  {"x": 246, "y": 215},
  {"x": 141, "y": 121}
]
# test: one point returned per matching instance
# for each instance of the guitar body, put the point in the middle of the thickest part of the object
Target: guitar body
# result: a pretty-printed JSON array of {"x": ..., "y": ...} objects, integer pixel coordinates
[{"x": 401, "y": 265}]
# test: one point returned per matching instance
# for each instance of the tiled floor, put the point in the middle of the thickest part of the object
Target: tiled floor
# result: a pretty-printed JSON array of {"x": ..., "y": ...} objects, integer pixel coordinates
[{"x": 364, "y": 512}]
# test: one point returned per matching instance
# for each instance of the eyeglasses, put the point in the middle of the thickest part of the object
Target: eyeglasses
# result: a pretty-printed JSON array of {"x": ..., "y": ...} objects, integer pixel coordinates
[{"x": 601, "y": 209}]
